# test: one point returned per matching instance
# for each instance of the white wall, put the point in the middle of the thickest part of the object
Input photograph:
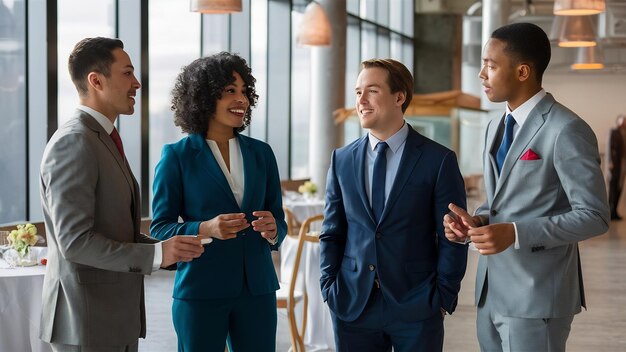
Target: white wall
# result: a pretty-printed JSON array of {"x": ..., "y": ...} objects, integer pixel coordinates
[{"x": 596, "y": 97}]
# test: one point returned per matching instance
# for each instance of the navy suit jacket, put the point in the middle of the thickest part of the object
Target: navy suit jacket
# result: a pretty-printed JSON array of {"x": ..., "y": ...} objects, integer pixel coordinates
[
  {"x": 419, "y": 270},
  {"x": 189, "y": 183}
]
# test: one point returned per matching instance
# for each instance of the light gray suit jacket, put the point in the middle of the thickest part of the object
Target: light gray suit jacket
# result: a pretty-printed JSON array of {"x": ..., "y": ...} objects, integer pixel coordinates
[
  {"x": 93, "y": 291},
  {"x": 555, "y": 201}
]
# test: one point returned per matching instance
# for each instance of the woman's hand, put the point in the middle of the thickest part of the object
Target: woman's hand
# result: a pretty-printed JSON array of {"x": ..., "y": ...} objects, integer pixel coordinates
[
  {"x": 265, "y": 224},
  {"x": 224, "y": 226}
]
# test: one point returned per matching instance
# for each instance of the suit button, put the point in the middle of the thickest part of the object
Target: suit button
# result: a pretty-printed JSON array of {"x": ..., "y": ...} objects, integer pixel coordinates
[
  {"x": 494, "y": 213},
  {"x": 378, "y": 235},
  {"x": 372, "y": 267}
]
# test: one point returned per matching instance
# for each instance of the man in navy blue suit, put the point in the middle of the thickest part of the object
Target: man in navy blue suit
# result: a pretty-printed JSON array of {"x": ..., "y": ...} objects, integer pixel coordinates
[{"x": 388, "y": 272}]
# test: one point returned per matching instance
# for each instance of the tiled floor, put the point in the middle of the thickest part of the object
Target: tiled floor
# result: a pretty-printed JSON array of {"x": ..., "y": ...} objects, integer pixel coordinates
[{"x": 602, "y": 328}]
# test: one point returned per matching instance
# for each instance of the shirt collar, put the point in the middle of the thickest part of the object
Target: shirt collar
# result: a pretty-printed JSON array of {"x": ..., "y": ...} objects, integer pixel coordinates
[
  {"x": 521, "y": 113},
  {"x": 394, "y": 142},
  {"x": 102, "y": 120}
]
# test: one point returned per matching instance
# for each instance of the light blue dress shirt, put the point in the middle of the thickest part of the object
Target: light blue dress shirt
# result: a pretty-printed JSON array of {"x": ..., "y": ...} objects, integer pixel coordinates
[{"x": 394, "y": 154}]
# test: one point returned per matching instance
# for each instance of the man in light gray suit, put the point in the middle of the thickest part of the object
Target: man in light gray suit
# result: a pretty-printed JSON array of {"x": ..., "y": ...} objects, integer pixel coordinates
[
  {"x": 93, "y": 293},
  {"x": 545, "y": 193}
]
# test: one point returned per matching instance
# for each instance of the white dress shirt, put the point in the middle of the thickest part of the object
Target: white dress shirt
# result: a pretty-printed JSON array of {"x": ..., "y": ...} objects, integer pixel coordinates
[{"x": 234, "y": 176}]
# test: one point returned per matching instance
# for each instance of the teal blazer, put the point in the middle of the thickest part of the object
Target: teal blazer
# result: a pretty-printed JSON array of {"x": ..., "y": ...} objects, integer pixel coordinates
[{"x": 189, "y": 184}]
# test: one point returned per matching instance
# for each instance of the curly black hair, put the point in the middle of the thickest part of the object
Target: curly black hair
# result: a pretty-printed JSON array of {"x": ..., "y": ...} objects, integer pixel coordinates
[{"x": 200, "y": 85}]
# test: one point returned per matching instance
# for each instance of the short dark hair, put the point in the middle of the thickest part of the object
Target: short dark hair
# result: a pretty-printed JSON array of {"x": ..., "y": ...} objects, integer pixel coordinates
[
  {"x": 399, "y": 78},
  {"x": 199, "y": 86},
  {"x": 91, "y": 55},
  {"x": 526, "y": 43}
]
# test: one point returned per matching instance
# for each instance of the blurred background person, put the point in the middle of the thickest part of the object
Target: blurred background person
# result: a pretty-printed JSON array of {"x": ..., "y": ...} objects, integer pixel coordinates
[
  {"x": 617, "y": 163},
  {"x": 225, "y": 186}
]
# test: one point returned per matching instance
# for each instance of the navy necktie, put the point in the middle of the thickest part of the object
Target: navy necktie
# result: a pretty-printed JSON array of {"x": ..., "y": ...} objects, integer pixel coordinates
[
  {"x": 378, "y": 180},
  {"x": 507, "y": 140},
  {"x": 115, "y": 136}
]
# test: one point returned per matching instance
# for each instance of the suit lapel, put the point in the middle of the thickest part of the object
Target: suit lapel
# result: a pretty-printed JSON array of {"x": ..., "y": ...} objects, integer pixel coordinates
[
  {"x": 533, "y": 123},
  {"x": 358, "y": 158},
  {"x": 250, "y": 165},
  {"x": 410, "y": 157},
  {"x": 204, "y": 156},
  {"x": 491, "y": 169},
  {"x": 104, "y": 137}
]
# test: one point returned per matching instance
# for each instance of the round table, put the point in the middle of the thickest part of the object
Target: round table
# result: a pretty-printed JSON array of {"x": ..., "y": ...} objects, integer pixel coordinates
[{"x": 20, "y": 311}]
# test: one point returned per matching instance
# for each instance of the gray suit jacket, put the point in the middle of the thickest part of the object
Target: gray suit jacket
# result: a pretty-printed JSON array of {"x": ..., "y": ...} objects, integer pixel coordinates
[
  {"x": 555, "y": 201},
  {"x": 93, "y": 287}
]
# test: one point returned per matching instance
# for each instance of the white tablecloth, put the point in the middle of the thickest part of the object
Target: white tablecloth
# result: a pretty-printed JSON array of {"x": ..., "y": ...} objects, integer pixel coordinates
[
  {"x": 319, "y": 331},
  {"x": 20, "y": 309}
]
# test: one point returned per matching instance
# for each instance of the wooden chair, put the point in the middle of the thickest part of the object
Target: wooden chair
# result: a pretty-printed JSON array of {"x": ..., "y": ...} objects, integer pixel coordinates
[
  {"x": 288, "y": 297},
  {"x": 293, "y": 225}
]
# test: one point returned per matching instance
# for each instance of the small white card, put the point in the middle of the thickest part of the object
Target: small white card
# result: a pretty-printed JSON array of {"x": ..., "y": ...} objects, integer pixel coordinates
[{"x": 206, "y": 240}]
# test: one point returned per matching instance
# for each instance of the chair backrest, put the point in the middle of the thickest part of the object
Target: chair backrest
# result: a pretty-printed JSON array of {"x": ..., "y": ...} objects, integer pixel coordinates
[
  {"x": 304, "y": 236},
  {"x": 292, "y": 185},
  {"x": 293, "y": 225}
]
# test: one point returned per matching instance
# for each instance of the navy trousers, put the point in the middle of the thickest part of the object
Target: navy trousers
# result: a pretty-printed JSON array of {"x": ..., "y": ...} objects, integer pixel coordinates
[{"x": 375, "y": 331}]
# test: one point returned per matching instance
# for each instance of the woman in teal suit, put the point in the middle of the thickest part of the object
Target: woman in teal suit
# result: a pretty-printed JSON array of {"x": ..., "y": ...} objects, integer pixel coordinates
[{"x": 224, "y": 186}]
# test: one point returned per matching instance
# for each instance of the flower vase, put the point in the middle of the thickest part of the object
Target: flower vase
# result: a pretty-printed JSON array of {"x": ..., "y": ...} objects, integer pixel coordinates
[
  {"x": 15, "y": 258},
  {"x": 308, "y": 196}
]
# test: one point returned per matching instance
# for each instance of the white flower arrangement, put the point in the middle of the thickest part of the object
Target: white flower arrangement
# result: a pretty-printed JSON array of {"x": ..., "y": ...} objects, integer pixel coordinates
[
  {"x": 22, "y": 238},
  {"x": 308, "y": 187}
]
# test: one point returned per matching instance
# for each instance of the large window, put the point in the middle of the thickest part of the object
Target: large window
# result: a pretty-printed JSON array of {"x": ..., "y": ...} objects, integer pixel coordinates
[
  {"x": 301, "y": 104},
  {"x": 258, "y": 64},
  {"x": 171, "y": 48},
  {"x": 13, "y": 136},
  {"x": 376, "y": 29},
  {"x": 78, "y": 20}
]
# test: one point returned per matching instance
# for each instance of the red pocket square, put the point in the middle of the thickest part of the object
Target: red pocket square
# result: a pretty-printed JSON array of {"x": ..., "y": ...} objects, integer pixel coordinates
[{"x": 530, "y": 155}]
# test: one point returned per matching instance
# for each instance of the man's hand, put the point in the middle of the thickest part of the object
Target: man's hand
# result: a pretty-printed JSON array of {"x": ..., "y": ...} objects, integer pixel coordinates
[
  {"x": 180, "y": 249},
  {"x": 457, "y": 223},
  {"x": 265, "y": 224},
  {"x": 492, "y": 239},
  {"x": 224, "y": 226}
]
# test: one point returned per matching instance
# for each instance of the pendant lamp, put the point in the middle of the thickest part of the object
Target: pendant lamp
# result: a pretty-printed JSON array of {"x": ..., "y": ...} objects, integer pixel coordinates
[
  {"x": 314, "y": 29},
  {"x": 589, "y": 58},
  {"x": 573, "y": 31},
  {"x": 215, "y": 6},
  {"x": 578, "y": 7}
]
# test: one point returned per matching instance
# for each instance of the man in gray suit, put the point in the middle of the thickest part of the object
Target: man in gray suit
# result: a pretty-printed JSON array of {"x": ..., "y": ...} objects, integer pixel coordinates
[
  {"x": 545, "y": 193},
  {"x": 93, "y": 293}
]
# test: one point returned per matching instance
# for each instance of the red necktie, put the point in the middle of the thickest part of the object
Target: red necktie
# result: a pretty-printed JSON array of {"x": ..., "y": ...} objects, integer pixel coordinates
[{"x": 115, "y": 136}]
